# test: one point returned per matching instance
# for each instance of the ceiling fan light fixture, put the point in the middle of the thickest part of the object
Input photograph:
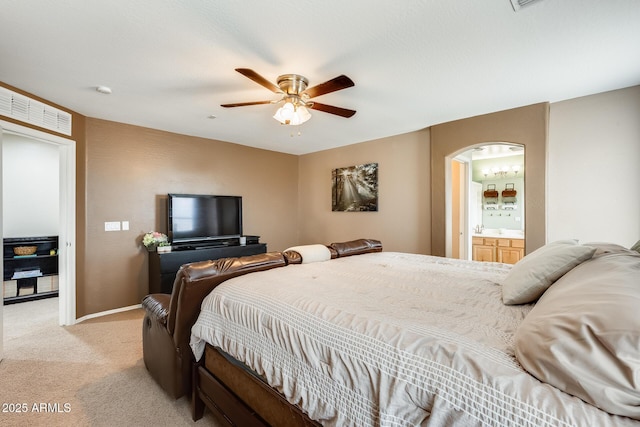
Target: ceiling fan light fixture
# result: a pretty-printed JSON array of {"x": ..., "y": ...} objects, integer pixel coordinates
[
  {"x": 287, "y": 111},
  {"x": 303, "y": 114},
  {"x": 282, "y": 115},
  {"x": 293, "y": 90},
  {"x": 290, "y": 114}
]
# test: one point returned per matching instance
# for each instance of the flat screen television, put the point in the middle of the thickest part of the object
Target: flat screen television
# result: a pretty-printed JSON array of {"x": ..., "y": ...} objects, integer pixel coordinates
[{"x": 195, "y": 218}]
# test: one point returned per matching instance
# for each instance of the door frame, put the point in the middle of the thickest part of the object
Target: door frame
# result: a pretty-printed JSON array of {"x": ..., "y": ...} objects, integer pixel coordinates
[
  {"x": 462, "y": 221},
  {"x": 67, "y": 226}
]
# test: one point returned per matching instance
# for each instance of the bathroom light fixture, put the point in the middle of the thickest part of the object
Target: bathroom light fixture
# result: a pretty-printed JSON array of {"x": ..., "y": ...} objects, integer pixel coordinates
[{"x": 502, "y": 171}]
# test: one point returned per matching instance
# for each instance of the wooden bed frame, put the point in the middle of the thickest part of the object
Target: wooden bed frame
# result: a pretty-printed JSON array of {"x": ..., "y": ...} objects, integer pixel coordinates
[{"x": 239, "y": 397}]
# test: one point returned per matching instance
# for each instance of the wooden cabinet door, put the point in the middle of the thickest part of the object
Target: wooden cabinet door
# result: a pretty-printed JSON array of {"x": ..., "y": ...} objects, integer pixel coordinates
[
  {"x": 484, "y": 253},
  {"x": 510, "y": 255},
  {"x": 517, "y": 243}
]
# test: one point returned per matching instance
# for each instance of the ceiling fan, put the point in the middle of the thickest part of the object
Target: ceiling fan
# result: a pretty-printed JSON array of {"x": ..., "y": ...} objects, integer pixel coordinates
[{"x": 296, "y": 96}]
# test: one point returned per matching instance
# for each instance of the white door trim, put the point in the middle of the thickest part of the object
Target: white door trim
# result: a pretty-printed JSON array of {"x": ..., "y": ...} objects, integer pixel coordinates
[{"x": 67, "y": 231}]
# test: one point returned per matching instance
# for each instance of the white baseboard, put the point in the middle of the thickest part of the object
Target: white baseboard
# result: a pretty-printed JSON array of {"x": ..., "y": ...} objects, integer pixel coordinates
[{"x": 108, "y": 312}]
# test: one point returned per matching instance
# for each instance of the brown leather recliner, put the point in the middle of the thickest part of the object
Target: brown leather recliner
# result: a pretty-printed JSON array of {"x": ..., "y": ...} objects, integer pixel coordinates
[{"x": 168, "y": 319}]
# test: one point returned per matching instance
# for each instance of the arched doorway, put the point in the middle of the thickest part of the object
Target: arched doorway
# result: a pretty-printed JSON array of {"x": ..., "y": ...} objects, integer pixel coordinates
[
  {"x": 473, "y": 170},
  {"x": 526, "y": 126}
]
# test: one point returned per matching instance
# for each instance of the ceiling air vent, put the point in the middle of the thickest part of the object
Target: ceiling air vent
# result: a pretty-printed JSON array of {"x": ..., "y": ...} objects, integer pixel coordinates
[
  {"x": 518, "y": 4},
  {"x": 28, "y": 110}
]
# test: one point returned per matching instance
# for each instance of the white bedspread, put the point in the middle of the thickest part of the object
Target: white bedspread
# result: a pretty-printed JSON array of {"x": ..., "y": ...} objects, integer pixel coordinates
[{"x": 388, "y": 339}]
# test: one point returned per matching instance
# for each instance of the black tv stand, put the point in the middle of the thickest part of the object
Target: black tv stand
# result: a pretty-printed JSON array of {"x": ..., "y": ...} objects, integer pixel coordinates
[
  {"x": 181, "y": 248},
  {"x": 219, "y": 245},
  {"x": 164, "y": 266},
  {"x": 207, "y": 244}
]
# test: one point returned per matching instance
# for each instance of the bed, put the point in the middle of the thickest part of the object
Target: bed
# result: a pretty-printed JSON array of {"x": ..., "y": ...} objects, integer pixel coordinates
[{"x": 397, "y": 339}]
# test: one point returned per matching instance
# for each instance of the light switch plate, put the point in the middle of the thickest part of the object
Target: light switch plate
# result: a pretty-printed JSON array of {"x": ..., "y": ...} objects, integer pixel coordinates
[
  {"x": 112, "y": 226},
  {"x": 125, "y": 225}
]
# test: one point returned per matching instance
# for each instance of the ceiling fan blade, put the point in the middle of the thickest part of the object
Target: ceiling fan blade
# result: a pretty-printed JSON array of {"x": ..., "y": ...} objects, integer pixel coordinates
[
  {"x": 337, "y": 83},
  {"x": 338, "y": 111},
  {"x": 259, "y": 79},
  {"x": 244, "y": 104}
]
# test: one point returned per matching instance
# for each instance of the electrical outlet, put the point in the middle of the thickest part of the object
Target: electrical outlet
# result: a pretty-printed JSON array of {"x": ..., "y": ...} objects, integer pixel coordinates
[{"x": 125, "y": 225}]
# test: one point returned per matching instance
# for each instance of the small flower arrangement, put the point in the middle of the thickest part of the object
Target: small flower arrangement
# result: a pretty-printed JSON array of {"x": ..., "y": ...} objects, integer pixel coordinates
[{"x": 154, "y": 239}]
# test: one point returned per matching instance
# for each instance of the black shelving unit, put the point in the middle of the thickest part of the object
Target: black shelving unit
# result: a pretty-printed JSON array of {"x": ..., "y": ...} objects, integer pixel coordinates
[{"x": 26, "y": 270}]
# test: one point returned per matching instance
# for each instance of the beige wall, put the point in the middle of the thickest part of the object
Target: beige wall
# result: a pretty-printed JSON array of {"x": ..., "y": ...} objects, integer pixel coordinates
[
  {"x": 593, "y": 191},
  {"x": 527, "y": 126},
  {"x": 131, "y": 169},
  {"x": 403, "y": 218}
]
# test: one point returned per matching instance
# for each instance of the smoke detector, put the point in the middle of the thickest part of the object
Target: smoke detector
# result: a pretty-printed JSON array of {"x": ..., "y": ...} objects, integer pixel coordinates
[{"x": 104, "y": 90}]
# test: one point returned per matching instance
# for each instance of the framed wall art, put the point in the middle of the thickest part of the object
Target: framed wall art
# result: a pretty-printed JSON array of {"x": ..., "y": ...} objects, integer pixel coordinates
[{"x": 355, "y": 188}]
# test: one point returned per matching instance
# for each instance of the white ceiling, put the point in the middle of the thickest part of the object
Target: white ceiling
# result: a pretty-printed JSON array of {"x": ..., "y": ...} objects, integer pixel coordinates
[{"x": 170, "y": 63}]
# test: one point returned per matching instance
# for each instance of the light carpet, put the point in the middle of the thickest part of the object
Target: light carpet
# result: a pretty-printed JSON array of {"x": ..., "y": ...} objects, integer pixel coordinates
[{"x": 88, "y": 374}]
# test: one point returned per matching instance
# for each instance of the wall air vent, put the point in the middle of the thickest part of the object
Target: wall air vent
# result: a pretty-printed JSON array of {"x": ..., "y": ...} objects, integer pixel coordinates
[
  {"x": 28, "y": 110},
  {"x": 518, "y": 4}
]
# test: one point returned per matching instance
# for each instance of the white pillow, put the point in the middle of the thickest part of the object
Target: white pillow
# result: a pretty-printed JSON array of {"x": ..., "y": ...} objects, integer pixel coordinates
[
  {"x": 312, "y": 253},
  {"x": 533, "y": 274}
]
